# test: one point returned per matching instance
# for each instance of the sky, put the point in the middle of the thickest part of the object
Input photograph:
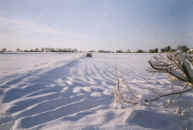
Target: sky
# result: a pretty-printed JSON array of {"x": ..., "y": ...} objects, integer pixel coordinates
[{"x": 96, "y": 24}]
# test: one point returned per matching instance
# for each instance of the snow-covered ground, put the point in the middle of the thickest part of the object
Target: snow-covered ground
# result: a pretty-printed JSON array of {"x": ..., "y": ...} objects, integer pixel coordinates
[{"x": 72, "y": 92}]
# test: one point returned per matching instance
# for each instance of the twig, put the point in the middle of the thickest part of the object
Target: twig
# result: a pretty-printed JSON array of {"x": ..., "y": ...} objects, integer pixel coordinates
[
  {"x": 118, "y": 96},
  {"x": 168, "y": 94}
]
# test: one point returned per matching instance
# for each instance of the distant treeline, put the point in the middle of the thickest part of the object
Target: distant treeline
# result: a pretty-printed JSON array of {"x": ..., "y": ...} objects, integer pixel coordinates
[
  {"x": 42, "y": 50},
  {"x": 183, "y": 48}
]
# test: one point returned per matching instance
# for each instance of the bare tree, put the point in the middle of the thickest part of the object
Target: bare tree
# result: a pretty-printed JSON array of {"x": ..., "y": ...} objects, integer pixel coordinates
[{"x": 3, "y": 50}]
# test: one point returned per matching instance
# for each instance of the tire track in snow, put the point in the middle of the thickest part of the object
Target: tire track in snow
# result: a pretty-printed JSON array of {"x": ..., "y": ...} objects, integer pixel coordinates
[
  {"x": 14, "y": 96},
  {"x": 78, "y": 73}
]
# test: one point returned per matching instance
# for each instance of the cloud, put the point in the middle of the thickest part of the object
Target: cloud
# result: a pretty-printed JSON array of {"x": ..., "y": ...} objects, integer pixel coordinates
[
  {"x": 24, "y": 26},
  {"x": 20, "y": 32}
]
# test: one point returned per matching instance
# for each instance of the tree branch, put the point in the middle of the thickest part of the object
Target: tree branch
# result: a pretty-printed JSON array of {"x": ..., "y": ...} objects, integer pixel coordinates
[
  {"x": 168, "y": 94},
  {"x": 166, "y": 70}
]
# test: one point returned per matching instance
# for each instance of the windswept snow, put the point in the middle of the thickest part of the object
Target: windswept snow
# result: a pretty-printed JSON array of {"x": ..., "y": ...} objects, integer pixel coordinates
[{"x": 70, "y": 91}]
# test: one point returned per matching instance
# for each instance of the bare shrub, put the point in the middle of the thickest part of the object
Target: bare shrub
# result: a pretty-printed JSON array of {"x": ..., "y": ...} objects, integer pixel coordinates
[{"x": 178, "y": 65}]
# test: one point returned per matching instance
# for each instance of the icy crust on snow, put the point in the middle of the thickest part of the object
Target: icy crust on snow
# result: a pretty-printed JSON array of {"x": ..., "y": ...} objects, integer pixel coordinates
[{"x": 70, "y": 91}]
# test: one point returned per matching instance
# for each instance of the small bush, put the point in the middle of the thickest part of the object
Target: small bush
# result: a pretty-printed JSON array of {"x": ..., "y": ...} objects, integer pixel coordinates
[{"x": 89, "y": 55}]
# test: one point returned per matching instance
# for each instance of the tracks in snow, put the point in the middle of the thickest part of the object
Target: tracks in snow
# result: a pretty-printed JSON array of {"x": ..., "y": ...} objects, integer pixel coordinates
[{"x": 77, "y": 88}]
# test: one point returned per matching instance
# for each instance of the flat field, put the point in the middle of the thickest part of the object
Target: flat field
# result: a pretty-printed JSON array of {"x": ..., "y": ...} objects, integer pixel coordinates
[{"x": 72, "y": 92}]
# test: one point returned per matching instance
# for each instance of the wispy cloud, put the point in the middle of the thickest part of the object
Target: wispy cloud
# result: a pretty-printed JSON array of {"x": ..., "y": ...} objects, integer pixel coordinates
[
  {"x": 19, "y": 31},
  {"x": 24, "y": 26}
]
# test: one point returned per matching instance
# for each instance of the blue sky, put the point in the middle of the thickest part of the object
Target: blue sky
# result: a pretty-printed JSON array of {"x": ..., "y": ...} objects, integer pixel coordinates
[{"x": 96, "y": 24}]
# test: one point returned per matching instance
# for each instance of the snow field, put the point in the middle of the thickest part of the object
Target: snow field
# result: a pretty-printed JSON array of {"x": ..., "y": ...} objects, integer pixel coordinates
[{"x": 70, "y": 91}]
